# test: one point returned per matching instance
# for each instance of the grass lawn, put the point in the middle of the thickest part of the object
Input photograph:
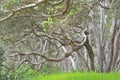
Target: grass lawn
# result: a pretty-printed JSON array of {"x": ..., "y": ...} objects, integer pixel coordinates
[{"x": 78, "y": 76}]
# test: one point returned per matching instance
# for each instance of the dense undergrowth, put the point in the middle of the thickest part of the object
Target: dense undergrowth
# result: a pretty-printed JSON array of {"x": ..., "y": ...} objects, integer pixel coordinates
[{"x": 77, "y": 76}]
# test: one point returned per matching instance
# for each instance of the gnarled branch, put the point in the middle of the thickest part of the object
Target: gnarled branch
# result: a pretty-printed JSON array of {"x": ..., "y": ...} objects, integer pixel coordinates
[{"x": 13, "y": 11}]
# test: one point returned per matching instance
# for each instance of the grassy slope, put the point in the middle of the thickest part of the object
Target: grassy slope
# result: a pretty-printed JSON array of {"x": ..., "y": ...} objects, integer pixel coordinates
[{"x": 78, "y": 76}]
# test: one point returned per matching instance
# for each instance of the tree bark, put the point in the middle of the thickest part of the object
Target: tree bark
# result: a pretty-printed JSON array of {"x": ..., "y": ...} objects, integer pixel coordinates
[
  {"x": 71, "y": 59},
  {"x": 90, "y": 53},
  {"x": 109, "y": 44},
  {"x": 101, "y": 44},
  {"x": 115, "y": 50},
  {"x": 83, "y": 61}
]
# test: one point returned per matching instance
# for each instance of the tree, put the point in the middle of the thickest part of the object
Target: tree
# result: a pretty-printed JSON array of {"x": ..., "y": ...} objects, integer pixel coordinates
[{"x": 61, "y": 30}]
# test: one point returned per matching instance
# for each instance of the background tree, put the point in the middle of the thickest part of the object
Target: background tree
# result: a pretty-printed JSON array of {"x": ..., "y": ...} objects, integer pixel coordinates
[{"x": 79, "y": 35}]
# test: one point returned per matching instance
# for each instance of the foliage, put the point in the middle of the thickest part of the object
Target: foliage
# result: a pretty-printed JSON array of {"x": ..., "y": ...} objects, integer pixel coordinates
[
  {"x": 49, "y": 68},
  {"x": 47, "y": 23},
  {"x": 9, "y": 4},
  {"x": 2, "y": 59},
  {"x": 19, "y": 74}
]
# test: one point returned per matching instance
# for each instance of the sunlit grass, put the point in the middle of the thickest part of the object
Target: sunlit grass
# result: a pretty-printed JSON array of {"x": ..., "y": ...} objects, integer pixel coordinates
[{"x": 78, "y": 76}]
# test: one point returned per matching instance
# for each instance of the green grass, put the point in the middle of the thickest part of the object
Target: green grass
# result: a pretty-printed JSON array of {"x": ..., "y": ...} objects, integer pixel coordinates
[{"x": 78, "y": 76}]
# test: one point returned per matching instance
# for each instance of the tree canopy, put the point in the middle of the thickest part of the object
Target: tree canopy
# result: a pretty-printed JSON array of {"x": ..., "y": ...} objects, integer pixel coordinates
[{"x": 78, "y": 34}]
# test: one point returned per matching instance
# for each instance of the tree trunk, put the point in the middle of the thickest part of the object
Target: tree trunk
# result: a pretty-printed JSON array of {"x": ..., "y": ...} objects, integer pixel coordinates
[
  {"x": 90, "y": 53},
  {"x": 115, "y": 49},
  {"x": 83, "y": 61},
  {"x": 71, "y": 59},
  {"x": 98, "y": 34},
  {"x": 101, "y": 44},
  {"x": 109, "y": 44}
]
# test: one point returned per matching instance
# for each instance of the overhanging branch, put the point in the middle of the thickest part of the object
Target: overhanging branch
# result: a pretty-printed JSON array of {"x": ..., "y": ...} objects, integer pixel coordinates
[
  {"x": 13, "y": 11},
  {"x": 21, "y": 8},
  {"x": 58, "y": 59}
]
